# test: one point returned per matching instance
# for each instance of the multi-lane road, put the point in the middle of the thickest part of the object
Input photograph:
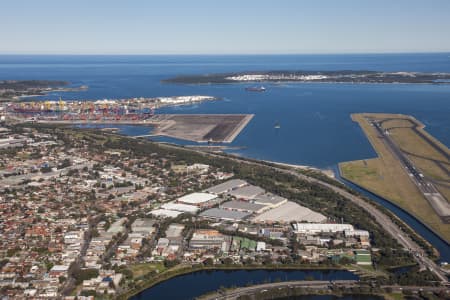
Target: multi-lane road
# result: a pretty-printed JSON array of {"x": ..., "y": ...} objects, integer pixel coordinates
[{"x": 313, "y": 285}]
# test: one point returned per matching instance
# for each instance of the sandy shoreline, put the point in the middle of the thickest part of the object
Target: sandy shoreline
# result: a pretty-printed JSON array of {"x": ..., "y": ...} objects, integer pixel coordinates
[{"x": 328, "y": 172}]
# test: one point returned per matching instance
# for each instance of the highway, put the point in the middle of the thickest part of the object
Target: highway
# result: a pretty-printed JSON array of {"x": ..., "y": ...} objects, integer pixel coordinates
[
  {"x": 315, "y": 285},
  {"x": 319, "y": 285},
  {"x": 382, "y": 219}
]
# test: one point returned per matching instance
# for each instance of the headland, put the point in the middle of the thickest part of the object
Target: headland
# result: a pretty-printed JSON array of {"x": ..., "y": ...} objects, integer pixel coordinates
[{"x": 344, "y": 76}]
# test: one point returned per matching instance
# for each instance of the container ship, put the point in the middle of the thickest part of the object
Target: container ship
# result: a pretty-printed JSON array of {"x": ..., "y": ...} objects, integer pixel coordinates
[{"x": 256, "y": 89}]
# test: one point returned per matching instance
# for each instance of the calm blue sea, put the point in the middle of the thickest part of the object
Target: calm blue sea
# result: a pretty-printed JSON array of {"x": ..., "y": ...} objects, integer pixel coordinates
[{"x": 316, "y": 128}]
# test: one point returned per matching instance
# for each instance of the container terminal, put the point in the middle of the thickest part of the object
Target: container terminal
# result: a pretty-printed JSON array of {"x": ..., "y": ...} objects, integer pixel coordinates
[{"x": 222, "y": 128}]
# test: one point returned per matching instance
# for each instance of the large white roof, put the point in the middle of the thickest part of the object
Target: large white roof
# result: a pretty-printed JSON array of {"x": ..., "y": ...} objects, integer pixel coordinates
[
  {"x": 290, "y": 211},
  {"x": 180, "y": 207},
  {"x": 165, "y": 213},
  {"x": 196, "y": 198}
]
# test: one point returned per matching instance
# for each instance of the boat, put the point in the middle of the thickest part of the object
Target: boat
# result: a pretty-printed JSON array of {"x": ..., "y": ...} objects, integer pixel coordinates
[
  {"x": 255, "y": 89},
  {"x": 277, "y": 125}
]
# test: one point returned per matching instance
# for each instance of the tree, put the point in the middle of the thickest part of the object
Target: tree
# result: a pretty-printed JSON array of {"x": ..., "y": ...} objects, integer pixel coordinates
[
  {"x": 208, "y": 262},
  {"x": 227, "y": 261}
]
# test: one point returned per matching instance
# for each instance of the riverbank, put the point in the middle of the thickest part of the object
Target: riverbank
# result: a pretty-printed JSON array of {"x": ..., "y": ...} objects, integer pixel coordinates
[
  {"x": 320, "y": 290},
  {"x": 188, "y": 269}
]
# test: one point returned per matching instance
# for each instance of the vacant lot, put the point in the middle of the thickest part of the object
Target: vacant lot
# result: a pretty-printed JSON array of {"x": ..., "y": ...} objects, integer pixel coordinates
[{"x": 203, "y": 128}]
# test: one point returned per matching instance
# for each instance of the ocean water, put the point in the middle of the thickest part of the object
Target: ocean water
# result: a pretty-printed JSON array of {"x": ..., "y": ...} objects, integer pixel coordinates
[{"x": 316, "y": 128}]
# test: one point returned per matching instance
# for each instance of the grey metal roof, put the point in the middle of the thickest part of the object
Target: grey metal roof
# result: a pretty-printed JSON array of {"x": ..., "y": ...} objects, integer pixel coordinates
[
  {"x": 225, "y": 214},
  {"x": 269, "y": 198},
  {"x": 242, "y": 205},
  {"x": 247, "y": 192},
  {"x": 226, "y": 186}
]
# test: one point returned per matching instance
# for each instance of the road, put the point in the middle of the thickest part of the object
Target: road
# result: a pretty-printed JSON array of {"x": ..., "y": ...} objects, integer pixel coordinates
[
  {"x": 316, "y": 285},
  {"x": 423, "y": 183},
  {"x": 234, "y": 294},
  {"x": 382, "y": 219}
]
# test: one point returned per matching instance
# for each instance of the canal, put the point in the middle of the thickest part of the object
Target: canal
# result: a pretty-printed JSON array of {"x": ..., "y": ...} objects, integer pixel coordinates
[{"x": 189, "y": 286}]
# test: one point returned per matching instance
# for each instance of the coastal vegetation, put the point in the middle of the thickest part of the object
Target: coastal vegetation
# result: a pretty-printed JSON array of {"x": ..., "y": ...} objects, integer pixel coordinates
[
  {"x": 9, "y": 89},
  {"x": 341, "y": 76}
]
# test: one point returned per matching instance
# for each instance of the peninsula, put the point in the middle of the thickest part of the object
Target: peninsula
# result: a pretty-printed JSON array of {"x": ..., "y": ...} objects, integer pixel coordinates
[
  {"x": 15, "y": 89},
  {"x": 412, "y": 168},
  {"x": 344, "y": 76}
]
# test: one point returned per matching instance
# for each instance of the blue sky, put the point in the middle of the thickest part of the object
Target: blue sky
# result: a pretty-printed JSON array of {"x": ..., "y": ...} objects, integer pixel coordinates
[{"x": 223, "y": 27}]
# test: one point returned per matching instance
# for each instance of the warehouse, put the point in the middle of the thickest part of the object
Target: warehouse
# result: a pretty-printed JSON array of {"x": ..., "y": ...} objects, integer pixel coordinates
[
  {"x": 198, "y": 199},
  {"x": 289, "y": 212},
  {"x": 270, "y": 200},
  {"x": 204, "y": 239},
  {"x": 174, "y": 231},
  {"x": 224, "y": 214},
  {"x": 358, "y": 233},
  {"x": 165, "y": 213},
  {"x": 226, "y": 187},
  {"x": 180, "y": 207},
  {"x": 144, "y": 226},
  {"x": 247, "y": 192},
  {"x": 244, "y": 206},
  {"x": 314, "y": 228}
]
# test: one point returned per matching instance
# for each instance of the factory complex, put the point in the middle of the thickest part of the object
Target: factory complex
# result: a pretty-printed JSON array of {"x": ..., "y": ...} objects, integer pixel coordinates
[{"x": 236, "y": 200}]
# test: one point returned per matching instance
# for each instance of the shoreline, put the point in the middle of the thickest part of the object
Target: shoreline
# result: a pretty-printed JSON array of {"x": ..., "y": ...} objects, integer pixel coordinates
[
  {"x": 328, "y": 172},
  {"x": 244, "y": 122},
  {"x": 194, "y": 269},
  {"x": 400, "y": 208},
  {"x": 379, "y": 155}
]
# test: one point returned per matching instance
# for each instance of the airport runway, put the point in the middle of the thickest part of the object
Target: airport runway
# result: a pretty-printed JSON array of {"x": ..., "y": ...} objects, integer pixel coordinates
[{"x": 423, "y": 183}]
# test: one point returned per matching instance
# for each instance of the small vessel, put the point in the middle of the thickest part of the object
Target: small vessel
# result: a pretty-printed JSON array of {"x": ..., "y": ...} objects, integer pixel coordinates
[
  {"x": 277, "y": 125},
  {"x": 255, "y": 89}
]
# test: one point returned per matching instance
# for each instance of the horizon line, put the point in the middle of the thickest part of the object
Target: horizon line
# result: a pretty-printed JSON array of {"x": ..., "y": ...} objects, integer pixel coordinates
[{"x": 224, "y": 54}]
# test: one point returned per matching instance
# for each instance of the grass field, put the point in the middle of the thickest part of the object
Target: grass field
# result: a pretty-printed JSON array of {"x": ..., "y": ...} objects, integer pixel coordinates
[
  {"x": 385, "y": 175},
  {"x": 142, "y": 269}
]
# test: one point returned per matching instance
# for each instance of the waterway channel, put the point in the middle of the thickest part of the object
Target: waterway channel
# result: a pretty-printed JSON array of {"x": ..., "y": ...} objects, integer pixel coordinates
[{"x": 192, "y": 285}]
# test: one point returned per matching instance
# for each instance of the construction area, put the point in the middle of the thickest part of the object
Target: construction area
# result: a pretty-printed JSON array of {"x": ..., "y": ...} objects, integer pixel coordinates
[
  {"x": 201, "y": 128},
  {"x": 412, "y": 169}
]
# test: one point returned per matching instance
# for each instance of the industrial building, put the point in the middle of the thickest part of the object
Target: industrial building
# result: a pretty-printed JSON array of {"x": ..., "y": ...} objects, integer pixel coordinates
[
  {"x": 144, "y": 226},
  {"x": 205, "y": 239},
  {"x": 165, "y": 213},
  {"x": 270, "y": 200},
  {"x": 226, "y": 187},
  {"x": 314, "y": 228},
  {"x": 224, "y": 214},
  {"x": 243, "y": 206},
  {"x": 247, "y": 192},
  {"x": 289, "y": 212},
  {"x": 174, "y": 231},
  {"x": 180, "y": 207},
  {"x": 356, "y": 232},
  {"x": 198, "y": 199}
]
